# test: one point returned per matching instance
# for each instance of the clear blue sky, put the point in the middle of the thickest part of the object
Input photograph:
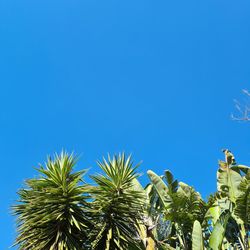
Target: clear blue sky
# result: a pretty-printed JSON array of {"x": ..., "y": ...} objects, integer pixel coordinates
[{"x": 153, "y": 78}]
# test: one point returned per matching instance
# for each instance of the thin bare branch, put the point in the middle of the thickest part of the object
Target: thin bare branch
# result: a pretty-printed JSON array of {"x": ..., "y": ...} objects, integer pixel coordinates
[{"x": 243, "y": 108}]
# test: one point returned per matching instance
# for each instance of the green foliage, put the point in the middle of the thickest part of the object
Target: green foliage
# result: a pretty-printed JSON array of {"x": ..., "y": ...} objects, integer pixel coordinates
[
  {"x": 57, "y": 211},
  {"x": 197, "y": 237},
  {"x": 116, "y": 204},
  {"x": 51, "y": 213},
  {"x": 182, "y": 206},
  {"x": 219, "y": 229},
  {"x": 242, "y": 209}
]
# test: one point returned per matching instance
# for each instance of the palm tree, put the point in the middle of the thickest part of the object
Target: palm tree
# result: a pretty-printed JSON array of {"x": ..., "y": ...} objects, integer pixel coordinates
[{"x": 52, "y": 209}]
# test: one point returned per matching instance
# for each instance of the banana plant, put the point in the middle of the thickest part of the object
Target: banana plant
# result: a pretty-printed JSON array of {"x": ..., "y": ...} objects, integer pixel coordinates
[
  {"x": 146, "y": 224},
  {"x": 228, "y": 214},
  {"x": 242, "y": 211},
  {"x": 181, "y": 207},
  {"x": 151, "y": 228},
  {"x": 233, "y": 185}
]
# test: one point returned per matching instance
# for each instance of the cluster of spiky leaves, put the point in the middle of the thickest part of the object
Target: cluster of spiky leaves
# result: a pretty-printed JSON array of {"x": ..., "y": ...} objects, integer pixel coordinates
[
  {"x": 52, "y": 208},
  {"x": 116, "y": 205}
]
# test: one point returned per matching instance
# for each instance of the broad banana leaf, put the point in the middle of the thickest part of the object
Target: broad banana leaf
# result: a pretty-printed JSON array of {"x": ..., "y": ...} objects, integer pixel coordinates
[
  {"x": 228, "y": 181},
  {"x": 213, "y": 212},
  {"x": 146, "y": 236},
  {"x": 197, "y": 238},
  {"x": 242, "y": 209},
  {"x": 160, "y": 187},
  {"x": 216, "y": 238},
  {"x": 242, "y": 168}
]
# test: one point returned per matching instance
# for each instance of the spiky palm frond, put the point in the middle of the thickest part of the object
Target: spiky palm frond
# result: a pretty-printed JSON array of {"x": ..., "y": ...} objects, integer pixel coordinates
[
  {"x": 51, "y": 211},
  {"x": 116, "y": 204}
]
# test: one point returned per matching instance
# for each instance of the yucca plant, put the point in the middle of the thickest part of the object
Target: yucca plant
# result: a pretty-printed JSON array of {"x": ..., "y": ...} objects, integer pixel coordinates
[
  {"x": 116, "y": 205},
  {"x": 52, "y": 209}
]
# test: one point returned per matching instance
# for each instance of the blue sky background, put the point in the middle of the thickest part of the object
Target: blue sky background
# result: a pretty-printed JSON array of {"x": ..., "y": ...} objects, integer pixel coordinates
[{"x": 153, "y": 78}]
